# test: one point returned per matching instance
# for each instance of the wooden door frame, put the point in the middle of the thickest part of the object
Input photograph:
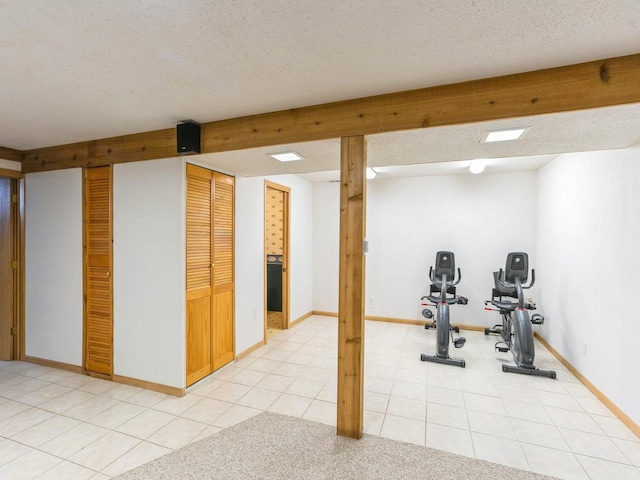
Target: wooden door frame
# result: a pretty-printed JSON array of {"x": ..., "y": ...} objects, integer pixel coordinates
[
  {"x": 285, "y": 255},
  {"x": 84, "y": 270},
  {"x": 18, "y": 227}
]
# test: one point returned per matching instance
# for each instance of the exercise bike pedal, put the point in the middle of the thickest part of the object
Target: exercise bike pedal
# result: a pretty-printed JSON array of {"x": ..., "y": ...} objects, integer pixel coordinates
[
  {"x": 427, "y": 313},
  {"x": 459, "y": 342},
  {"x": 537, "y": 319},
  {"x": 502, "y": 349}
]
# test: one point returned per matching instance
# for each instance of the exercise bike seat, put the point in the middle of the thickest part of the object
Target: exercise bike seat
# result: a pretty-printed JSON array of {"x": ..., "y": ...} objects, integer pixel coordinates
[
  {"x": 508, "y": 306},
  {"x": 500, "y": 290},
  {"x": 438, "y": 299}
]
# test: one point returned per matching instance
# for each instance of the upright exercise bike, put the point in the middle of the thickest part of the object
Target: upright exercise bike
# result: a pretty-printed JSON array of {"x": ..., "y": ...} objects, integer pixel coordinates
[
  {"x": 515, "y": 331},
  {"x": 443, "y": 282}
]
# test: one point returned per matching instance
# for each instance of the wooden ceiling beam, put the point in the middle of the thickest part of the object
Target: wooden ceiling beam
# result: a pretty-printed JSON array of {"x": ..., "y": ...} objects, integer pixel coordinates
[
  {"x": 594, "y": 84},
  {"x": 10, "y": 154},
  {"x": 98, "y": 153},
  {"x": 599, "y": 83}
]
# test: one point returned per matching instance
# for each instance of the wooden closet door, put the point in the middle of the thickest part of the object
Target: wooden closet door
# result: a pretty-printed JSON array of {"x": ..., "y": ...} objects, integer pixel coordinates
[
  {"x": 199, "y": 275},
  {"x": 209, "y": 276},
  {"x": 98, "y": 279},
  {"x": 223, "y": 351}
]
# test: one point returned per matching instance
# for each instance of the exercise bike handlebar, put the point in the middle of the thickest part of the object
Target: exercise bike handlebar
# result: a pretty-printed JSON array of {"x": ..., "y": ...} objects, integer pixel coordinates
[
  {"x": 518, "y": 286},
  {"x": 443, "y": 291},
  {"x": 448, "y": 283},
  {"x": 459, "y": 278},
  {"x": 513, "y": 285}
]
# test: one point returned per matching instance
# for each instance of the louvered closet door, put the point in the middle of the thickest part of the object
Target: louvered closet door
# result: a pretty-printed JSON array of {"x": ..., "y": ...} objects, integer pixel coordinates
[
  {"x": 223, "y": 351},
  {"x": 98, "y": 280},
  {"x": 199, "y": 273}
]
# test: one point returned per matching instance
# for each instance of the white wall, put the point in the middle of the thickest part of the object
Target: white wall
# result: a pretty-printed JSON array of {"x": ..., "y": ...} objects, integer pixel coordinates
[
  {"x": 250, "y": 261},
  {"x": 148, "y": 216},
  {"x": 53, "y": 210},
  {"x": 10, "y": 165},
  {"x": 148, "y": 271},
  {"x": 249, "y": 258},
  {"x": 326, "y": 246},
  {"x": 588, "y": 237},
  {"x": 480, "y": 218}
]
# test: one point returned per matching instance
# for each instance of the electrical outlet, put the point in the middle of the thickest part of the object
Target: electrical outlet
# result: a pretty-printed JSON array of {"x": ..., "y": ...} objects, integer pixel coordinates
[
  {"x": 255, "y": 314},
  {"x": 370, "y": 300},
  {"x": 584, "y": 348}
]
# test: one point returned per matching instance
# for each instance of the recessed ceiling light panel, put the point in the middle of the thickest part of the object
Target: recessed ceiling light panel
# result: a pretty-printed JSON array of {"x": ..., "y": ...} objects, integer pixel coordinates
[
  {"x": 286, "y": 156},
  {"x": 504, "y": 135}
]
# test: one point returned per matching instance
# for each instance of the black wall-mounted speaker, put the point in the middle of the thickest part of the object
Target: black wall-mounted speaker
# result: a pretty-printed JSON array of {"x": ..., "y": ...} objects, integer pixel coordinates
[{"x": 188, "y": 136}]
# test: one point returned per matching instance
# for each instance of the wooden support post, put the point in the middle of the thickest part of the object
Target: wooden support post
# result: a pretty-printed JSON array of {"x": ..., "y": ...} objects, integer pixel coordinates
[{"x": 351, "y": 296}]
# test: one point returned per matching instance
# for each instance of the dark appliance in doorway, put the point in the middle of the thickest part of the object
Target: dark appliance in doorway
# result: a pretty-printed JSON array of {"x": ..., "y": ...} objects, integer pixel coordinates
[{"x": 274, "y": 283}]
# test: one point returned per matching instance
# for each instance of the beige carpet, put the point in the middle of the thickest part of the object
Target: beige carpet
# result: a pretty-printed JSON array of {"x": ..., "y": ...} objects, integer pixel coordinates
[{"x": 276, "y": 446}]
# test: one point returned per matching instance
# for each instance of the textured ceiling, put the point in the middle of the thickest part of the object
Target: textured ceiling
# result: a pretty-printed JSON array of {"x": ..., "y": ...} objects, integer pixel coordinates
[
  {"x": 548, "y": 136},
  {"x": 76, "y": 70}
]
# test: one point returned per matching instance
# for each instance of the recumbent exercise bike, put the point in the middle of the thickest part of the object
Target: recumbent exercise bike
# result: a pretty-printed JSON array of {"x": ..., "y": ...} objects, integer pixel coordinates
[
  {"x": 516, "y": 330},
  {"x": 443, "y": 282}
]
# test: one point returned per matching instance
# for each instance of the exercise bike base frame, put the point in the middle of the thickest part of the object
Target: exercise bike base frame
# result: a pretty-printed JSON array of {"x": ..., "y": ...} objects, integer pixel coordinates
[
  {"x": 528, "y": 371},
  {"x": 432, "y": 326},
  {"x": 446, "y": 361},
  {"x": 496, "y": 330}
]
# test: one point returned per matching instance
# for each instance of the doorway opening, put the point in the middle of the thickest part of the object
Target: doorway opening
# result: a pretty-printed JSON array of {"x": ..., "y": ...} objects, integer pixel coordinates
[{"x": 276, "y": 249}]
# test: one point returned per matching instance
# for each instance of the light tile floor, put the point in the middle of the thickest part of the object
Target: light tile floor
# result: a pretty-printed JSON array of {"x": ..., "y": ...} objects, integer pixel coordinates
[{"x": 55, "y": 424}]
